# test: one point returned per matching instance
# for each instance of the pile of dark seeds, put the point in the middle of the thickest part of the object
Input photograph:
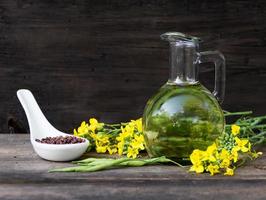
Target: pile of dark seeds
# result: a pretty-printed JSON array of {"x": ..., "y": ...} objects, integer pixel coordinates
[{"x": 60, "y": 140}]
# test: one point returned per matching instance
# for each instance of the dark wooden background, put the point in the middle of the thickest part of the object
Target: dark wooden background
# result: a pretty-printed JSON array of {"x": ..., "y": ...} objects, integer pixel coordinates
[{"x": 104, "y": 58}]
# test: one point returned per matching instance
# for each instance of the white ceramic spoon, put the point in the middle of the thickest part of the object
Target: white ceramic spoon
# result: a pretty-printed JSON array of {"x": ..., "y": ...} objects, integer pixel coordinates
[{"x": 41, "y": 128}]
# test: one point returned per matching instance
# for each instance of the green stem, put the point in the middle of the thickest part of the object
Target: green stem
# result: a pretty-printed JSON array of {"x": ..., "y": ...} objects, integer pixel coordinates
[
  {"x": 239, "y": 124},
  {"x": 226, "y": 113},
  {"x": 117, "y": 125},
  {"x": 259, "y": 142},
  {"x": 255, "y": 119},
  {"x": 102, "y": 166},
  {"x": 178, "y": 164},
  {"x": 258, "y": 135},
  {"x": 258, "y": 126},
  {"x": 114, "y": 131},
  {"x": 96, "y": 164},
  {"x": 248, "y": 126},
  {"x": 112, "y": 125}
]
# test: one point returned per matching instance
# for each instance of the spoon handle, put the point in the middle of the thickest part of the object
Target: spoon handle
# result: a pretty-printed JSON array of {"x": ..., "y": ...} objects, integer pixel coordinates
[{"x": 39, "y": 125}]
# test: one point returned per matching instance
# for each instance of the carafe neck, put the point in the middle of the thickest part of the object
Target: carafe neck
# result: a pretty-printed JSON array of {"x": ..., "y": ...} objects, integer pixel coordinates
[{"x": 183, "y": 63}]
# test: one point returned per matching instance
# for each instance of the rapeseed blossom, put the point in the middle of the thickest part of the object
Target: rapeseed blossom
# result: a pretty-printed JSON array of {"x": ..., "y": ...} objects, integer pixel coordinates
[
  {"x": 131, "y": 140},
  {"x": 221, "y": 156},
  {"x": 127, "y": 139},
  {"x": 235, "y": 129},
  {"x": 124, "y": 139}
]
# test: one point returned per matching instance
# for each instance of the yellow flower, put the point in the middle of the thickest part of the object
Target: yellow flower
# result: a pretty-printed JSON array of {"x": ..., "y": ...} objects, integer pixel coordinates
[
  {"x": 94, "y": 124},
  {"x": 111, "y": 149},
  {"x": 198, "y": 168},
  {"x": 210, "y": 153},
  {"x": 130, "y": 141},
  {"x": 103, "y": 138},
  {"x": 235, "y": 129},
  {"x": 138, "y": 124},
  {"x": 127, "y": 131},
  {"x": 225, "y": 163},
  {"x": 101, "y": 141},
  {"x": 76, "y": 133},
  {"x": 132, "y": 152},
  {"x": 139, "y": 138},
  {"x": 83, "y": 129},
  {"x": 124, "y": 134},
  {"x": 213, "y": 169},
  {"x": 93, "y": 135},
  {"x": 196, "y": 156},
  {"x": 234, "y": 154},
  {"x": 101, "y": 149},
  {"x": 138, "y": 142},
  {"x": 120, "y": 147},
  {"x": 229, "y": 172},
  {"x": 93, "y": 121},
  {"x": 212, "y": 148},
  {"x": 225, "y": 158},
  {"x": 241, "y": 144},
  {"x": 224, "y": 154}
]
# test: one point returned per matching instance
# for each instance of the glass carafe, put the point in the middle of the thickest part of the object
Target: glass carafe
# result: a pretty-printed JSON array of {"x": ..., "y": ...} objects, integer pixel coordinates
[{"x": 184, "y": 115}]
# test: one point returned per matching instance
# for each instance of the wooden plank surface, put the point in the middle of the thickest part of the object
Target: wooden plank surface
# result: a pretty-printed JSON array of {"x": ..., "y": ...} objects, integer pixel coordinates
[
  {"x": 23, "y": 175},
  {"x": 105, "y": 58}
]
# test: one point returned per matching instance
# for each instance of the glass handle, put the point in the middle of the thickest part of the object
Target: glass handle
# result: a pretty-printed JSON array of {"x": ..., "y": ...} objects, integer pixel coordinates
[{"x": 218, "y": 59}]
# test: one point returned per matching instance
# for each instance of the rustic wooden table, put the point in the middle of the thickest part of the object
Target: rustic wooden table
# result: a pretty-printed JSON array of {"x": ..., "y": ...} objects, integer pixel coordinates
[{"x": 23, "y": 175}]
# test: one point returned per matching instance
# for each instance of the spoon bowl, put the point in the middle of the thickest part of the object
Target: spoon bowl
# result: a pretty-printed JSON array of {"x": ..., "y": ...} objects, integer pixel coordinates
[
  {"x": 41, "y": 128},
  {"x": 60, "y": 152}
]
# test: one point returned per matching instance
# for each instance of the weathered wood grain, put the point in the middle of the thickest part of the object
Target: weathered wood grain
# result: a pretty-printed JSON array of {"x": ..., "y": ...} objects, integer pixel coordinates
[
  {"x": 23, "y": 175},
  {"x": 85, "y": 58}
]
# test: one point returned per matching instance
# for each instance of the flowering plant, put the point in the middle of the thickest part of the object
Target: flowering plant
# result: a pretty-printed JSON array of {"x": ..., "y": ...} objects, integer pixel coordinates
[
  {"x": 223, "y": 155},
  {"x": 232, "y": 148},
  {"x": 124, "y": 139}
]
